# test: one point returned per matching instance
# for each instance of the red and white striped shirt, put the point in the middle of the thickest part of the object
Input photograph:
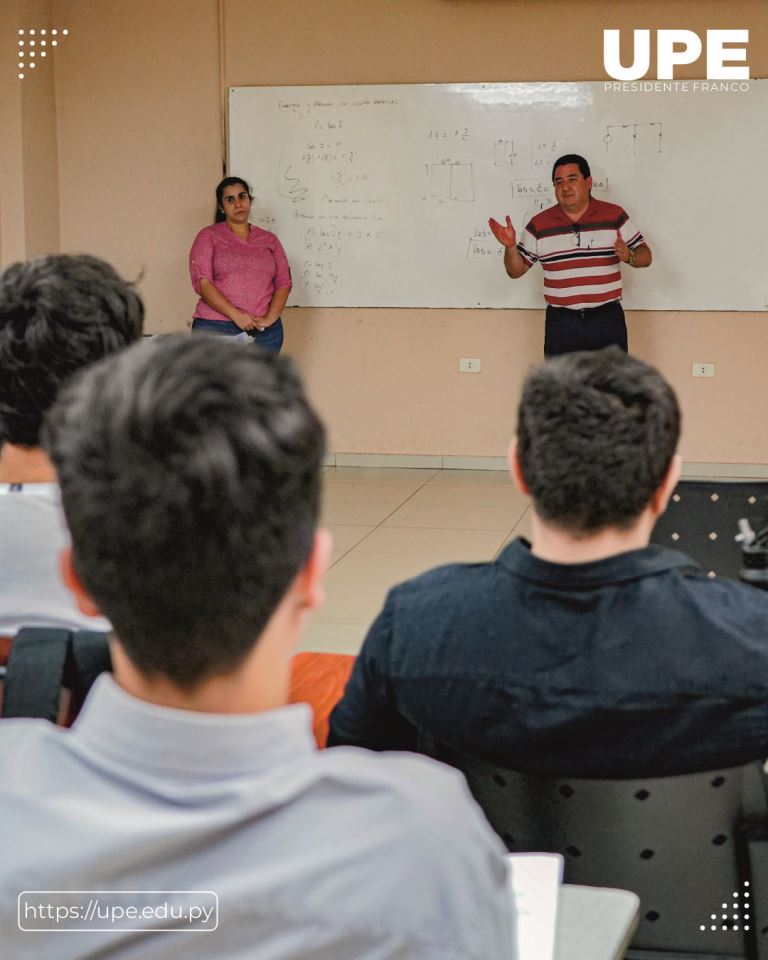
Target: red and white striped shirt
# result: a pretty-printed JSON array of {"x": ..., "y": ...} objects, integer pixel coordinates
[{"x": 581, "y": 269}]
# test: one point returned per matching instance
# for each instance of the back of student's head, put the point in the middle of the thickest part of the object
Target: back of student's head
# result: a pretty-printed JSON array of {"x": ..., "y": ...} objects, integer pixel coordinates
[
  {"x": 596, "y": 434},
  {"x": 189, "y": 471},
  {"x": 57, "y": 315}
]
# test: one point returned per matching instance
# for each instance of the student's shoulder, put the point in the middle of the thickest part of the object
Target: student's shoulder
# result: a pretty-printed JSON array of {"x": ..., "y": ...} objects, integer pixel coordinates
[
  {"x": 395, "y": 772},
  {"x": 724, "y": 592},
  {"x": 423, "y": 845},
  {"x": 26, "y": 746},
  {"x": 421, "y": 793},
  {"x": 414, "y": 608},
  {"x": 29, "y": 730},
  {"x": 450, "y": 573},
  {"x": 728, "y": 608},
  {"x": 447, "y": 584}
]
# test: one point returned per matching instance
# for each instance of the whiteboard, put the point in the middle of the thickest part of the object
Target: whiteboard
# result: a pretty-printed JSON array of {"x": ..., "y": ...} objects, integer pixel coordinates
[{"x": 381, "y": 194}]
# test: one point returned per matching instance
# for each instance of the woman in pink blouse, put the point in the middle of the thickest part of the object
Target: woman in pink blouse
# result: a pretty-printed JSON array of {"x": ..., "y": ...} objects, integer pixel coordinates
[{"x": 240, "y": 272}]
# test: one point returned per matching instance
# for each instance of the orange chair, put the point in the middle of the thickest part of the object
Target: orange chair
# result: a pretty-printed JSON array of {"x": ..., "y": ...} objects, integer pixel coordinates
[
  {"x": 316, "y": 678},
  {"x": 5, "y": 648},
  {"x": 319, "y": 680}
]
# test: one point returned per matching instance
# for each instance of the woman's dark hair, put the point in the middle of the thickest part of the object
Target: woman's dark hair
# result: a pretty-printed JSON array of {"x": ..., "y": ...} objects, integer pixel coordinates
[{"x": 220, "y": 216}]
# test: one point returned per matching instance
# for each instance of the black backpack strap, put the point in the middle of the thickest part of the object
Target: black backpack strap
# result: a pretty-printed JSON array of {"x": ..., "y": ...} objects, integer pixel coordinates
[
  {"x": 44, "y": 660},
  {"x": 90, "y": 656},
  {"x": 35, "y": 672}
]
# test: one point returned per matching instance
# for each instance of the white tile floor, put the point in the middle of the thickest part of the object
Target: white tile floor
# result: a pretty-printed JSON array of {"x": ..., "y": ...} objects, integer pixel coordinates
[{"x": 389, "y": 524}]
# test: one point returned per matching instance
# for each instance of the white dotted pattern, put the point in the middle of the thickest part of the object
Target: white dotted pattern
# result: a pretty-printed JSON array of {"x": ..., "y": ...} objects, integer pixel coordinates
[
  {"x": 735, "y": 916},
  {"x": 31, "y": 53}
]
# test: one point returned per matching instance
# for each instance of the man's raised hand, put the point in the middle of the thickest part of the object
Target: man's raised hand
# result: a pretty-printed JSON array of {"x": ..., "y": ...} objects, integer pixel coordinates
[
  {"x": 622, "y": 250},
  {"x": 505, "y": 235}
]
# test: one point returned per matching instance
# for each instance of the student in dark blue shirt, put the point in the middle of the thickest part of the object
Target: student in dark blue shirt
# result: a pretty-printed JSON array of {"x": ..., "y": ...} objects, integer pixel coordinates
[{"x": 588, "y": 651}]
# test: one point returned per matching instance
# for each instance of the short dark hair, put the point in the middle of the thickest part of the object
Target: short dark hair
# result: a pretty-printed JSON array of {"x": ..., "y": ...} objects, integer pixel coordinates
[
  {"x": 580, "y": 162},
  {"x": 220, "y": 216},
  {"x": 57, "y": 315},
  {"x": 190, "y": 480},
  {"x": 596, "y": 434}
]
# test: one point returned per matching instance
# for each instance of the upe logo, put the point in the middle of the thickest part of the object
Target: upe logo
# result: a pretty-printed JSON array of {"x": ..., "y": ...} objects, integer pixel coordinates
[{"x": 675, "y": 47}]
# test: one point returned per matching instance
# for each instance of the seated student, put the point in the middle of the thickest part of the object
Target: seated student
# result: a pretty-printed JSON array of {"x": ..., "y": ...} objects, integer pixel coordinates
[
  {"x": 57, "y": 315},
  {"x": 588, "y": 651},
  {"x": 189, "y": 472}
]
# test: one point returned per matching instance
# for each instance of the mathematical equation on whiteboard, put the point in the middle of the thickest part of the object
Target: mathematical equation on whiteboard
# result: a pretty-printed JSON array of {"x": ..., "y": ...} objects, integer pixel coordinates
[
  {"x": 334, "y": 181},
  {"x": 337, "y": 200}
]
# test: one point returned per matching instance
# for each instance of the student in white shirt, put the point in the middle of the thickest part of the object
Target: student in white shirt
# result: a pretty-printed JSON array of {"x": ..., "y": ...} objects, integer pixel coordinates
[{"x": 57, "y": 315}]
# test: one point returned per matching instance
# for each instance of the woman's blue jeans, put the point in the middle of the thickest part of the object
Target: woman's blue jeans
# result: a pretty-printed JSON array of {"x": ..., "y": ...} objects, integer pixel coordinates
[{"x": 271, "y": 339}]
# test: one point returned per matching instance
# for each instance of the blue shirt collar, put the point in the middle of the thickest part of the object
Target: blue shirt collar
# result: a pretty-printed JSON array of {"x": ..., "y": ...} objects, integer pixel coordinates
[{"x": 632, "y": 565}]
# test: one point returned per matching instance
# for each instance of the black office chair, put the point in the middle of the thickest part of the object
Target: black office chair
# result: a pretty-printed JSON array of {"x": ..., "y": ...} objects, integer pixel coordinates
[
  {"x": 702, "y": 517},
  {"x": 693, "y": 847}
]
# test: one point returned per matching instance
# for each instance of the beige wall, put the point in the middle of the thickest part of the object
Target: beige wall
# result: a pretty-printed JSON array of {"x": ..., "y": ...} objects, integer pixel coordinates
[
  {"x": 137, "y": 90},
  {"x": 12, "y": 242},
  {"x": 29, "y": 184},
  {"x": 41, "y": 161},
  {"x": 138, "y": 97}
]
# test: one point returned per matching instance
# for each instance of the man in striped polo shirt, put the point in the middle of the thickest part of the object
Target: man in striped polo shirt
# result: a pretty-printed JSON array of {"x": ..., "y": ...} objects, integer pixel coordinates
[{"x": 580, "y": 242}]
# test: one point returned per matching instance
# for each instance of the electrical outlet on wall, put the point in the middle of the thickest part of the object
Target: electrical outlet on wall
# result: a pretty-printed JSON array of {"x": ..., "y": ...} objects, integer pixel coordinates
[
  {"x": 703, "y": 369},
  {"x": 469, "y": 365}
]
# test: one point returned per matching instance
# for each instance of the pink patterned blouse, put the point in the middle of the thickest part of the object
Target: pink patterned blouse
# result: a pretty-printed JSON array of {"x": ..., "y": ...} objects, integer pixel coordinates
[{"x": 246, "y": 272}]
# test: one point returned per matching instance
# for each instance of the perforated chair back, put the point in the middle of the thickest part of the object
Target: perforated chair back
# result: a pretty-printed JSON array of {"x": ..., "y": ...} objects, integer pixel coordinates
[
  {"x": 679, "y": 842},
  {"x": 702, "y": 518}
]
